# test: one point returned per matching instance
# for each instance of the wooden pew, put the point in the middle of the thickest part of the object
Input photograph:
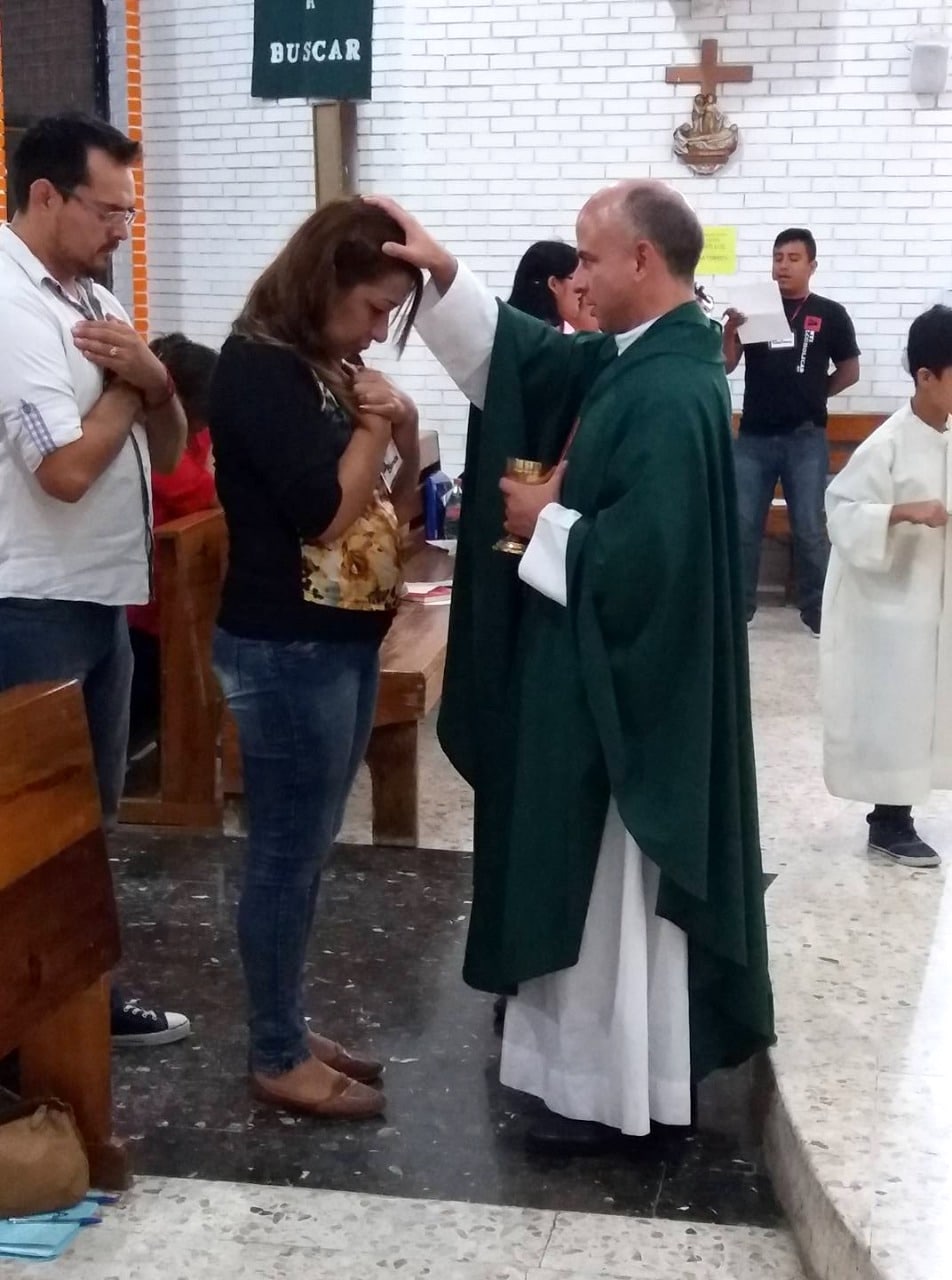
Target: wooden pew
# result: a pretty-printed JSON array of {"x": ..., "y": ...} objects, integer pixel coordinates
[
  {"x": 190, "y": 558},
  {"x": 59, "y": 935},
  {"x": 411, "y": 682},
  {"x": 190, "y": 561}
]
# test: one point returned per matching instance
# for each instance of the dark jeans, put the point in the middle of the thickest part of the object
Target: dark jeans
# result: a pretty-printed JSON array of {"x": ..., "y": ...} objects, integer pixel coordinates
[
  {"x": 800, "y": 461},
  {"x": 304, "y": 712},
  {"x": 145, "y": 707},
  {"x": 72, "y": 640}
]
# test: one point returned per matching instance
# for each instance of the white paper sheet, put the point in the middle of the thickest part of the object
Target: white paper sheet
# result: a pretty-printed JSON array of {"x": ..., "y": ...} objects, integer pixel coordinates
[{"x": 762, "y": 304}]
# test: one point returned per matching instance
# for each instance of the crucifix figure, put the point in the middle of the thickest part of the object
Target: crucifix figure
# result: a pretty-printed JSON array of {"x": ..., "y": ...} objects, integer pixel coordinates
[{"x": 708, "y": 142}]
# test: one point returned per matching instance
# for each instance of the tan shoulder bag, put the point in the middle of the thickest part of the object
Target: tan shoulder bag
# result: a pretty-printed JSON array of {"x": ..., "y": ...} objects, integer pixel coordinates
[{"x": 43, "y": 1164}]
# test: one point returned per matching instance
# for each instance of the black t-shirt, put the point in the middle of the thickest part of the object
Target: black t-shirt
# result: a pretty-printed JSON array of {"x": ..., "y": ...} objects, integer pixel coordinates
[
  {"x": 785, "y": 386},
  {"x": 277, "y": 448}
]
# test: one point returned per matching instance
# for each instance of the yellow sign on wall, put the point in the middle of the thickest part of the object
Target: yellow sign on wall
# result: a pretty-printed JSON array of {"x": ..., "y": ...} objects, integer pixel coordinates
[{"x": 719, "y": 256}]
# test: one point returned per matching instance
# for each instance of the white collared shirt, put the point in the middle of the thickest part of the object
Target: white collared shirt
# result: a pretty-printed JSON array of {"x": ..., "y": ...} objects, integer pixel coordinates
[
  {"x": 624, "y": 340},
  {"x": 94, "y": 549}
]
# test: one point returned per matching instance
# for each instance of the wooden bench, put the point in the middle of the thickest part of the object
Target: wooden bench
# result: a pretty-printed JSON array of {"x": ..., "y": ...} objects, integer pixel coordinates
[
  {"x": 845, "y": 432},
  {"x": 190, "y": 558},
  {"x": 190, "y": 561},
  {"x": 411, "y": 682},
  {"x": 59, "y": 936}
]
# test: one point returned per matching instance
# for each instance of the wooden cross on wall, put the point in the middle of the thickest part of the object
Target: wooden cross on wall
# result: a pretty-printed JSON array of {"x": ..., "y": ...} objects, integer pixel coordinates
[{"x": 710, "y": 73}]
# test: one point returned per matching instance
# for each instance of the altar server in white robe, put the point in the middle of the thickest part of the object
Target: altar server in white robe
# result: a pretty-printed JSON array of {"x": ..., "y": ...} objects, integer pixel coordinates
[{"x": 886, "y": 643}]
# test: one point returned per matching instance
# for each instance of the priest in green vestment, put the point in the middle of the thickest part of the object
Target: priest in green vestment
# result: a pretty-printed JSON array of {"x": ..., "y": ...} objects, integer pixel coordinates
[{"x": 596, "y": 693}]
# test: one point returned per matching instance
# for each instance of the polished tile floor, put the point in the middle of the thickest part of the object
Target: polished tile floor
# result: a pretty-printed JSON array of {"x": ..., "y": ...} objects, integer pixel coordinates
[
  {"x": 862, "y": 963},
  {"x": 442, "y": 1188},
  {"x": 384, "y": 972}
]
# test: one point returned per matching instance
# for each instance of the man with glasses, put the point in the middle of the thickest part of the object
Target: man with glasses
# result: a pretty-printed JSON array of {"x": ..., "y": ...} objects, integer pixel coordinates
[{"x": 86, "y": 410}]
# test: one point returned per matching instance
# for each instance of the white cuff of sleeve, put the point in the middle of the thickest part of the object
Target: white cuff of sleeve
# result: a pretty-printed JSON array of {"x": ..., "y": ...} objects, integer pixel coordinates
[
  {"x": 542, "y": 566},
  {"x": 881, "y": 545},
  {"x": 862, "y": 534},
  {"x": 460, "y": 329}
]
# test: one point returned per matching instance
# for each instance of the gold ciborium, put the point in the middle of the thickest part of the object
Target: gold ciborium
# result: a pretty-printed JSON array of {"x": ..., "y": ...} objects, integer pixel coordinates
[{"x": 524, "y": 471}]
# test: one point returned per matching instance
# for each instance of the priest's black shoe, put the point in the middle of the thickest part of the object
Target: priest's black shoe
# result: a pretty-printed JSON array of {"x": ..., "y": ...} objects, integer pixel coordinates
[{"x": 552, "y": 1135}]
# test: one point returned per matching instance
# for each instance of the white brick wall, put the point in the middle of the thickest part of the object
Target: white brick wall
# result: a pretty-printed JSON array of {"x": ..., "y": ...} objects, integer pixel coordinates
[{"x": 494, "y": 120}]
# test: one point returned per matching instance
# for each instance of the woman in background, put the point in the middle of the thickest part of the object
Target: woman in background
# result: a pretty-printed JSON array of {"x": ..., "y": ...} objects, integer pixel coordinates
[{"x": 544, "y": 287}]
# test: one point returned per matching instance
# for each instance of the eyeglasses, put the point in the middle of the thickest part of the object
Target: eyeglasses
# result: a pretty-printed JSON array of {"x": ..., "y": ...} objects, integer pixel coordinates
[{"x": 111, "y": 217}]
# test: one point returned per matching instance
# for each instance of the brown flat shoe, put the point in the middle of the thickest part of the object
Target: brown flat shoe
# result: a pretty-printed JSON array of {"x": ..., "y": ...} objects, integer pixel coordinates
[
  {"x": 336, "y": 1056},
  {"x": 348, "y": 1100}
]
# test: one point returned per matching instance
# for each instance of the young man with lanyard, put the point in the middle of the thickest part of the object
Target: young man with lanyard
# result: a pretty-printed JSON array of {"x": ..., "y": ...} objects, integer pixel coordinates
[
  {"x": 783, "y": 426},
  {"x": 86, "y": 410}
]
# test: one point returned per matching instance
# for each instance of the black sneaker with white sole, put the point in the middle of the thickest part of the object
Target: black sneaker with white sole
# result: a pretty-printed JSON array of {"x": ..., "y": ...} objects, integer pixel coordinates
[
  {"x": 901, "y": 842},
  {"x": 134, "y": 1026},
  {"x": 811, "y": 619}
]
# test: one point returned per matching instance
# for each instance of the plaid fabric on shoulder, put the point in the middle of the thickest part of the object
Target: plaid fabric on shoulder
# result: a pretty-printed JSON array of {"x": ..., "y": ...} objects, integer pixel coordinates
[{"x": 34, "y": 428}]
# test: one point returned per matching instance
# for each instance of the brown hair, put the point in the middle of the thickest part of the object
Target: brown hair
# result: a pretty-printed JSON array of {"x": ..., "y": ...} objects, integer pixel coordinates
[{"x": 338, "y": 247}]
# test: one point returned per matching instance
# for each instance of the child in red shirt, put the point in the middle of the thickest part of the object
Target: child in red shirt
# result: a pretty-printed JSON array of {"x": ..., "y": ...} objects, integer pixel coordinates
[{"x": 189, "y": 488}]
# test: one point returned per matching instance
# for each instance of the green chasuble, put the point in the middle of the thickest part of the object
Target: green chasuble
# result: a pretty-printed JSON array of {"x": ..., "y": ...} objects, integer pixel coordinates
[{"x": 638, "y": 690}]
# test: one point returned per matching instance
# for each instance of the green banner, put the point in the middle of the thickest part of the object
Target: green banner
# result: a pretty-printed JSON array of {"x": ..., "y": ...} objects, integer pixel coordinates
[{"x": 312, "y": 49}]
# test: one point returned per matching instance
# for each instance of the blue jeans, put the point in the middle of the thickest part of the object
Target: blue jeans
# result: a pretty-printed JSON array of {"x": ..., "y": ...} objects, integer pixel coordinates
[
  {"x": 72, "y": 640},
  {"x": 800, "y": 461},
  {"x": 304, "y": 712}
]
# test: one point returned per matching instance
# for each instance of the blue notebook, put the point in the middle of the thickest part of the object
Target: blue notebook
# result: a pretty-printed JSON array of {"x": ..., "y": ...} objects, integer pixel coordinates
[
  {"x": 35, "y": 1239},
  {"x": 45, "y": 1235}
]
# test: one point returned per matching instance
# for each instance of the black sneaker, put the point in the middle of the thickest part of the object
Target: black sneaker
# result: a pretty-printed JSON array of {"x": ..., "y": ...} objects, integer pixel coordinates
[
  {"x": 900, "y": 841},
  {"x": 132, "y": 1026},
  {"x": 811, "y": 618}
]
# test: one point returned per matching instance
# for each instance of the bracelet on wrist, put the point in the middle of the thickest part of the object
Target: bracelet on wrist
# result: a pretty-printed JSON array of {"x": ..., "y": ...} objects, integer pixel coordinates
[{"x": 166, "y": 398}]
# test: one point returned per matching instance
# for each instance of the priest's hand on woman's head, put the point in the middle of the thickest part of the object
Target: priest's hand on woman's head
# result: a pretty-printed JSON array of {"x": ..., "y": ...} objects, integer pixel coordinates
[
  {"x": 524, "y": 502},
  {"x": 421, "y": 249}
]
